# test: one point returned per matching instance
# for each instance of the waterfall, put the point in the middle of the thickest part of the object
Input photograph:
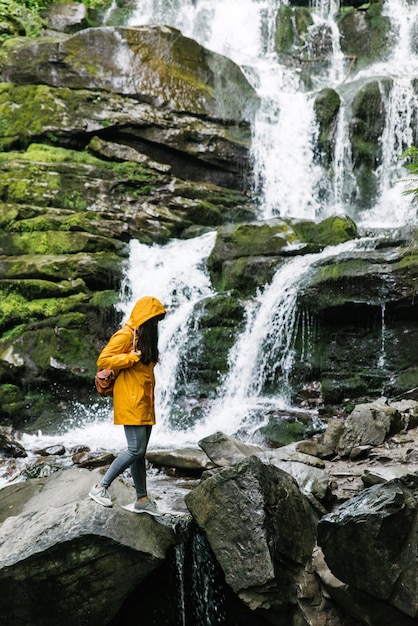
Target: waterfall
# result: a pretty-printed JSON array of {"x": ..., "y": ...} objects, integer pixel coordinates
[
  {"x": 176, "y": 274},
  {"x": 289, "y": 181},
  {"x": 264, "y": 350}
]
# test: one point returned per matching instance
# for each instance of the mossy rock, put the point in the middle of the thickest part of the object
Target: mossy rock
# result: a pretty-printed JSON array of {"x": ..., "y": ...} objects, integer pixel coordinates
[
  {"x": 16, "y": 309},
  {"x": 327, "y": 104},
  {"x": 367, "y": 125},
  {"x": 101, "y": 270},
  {"x": 12, "y": 401},
  {"x": 35, "y": 288},
  {"x": 292, "y": 24},
  {"x": 365, "y": 34},
  {"x": 204, "y": 360},
  {"x": 280, "y": 431},
  {"x": 221, "y": 310},
  {"x": 329, "y": 232},
  {"x": 338, "y": 389},
  {"x": 160, "y": 66},
  {"x": 245, "y": 240},
  {"x": 246, "y": 275},
  {"x": 57, "y": 242},
  {"x": 60, "y": 335}
]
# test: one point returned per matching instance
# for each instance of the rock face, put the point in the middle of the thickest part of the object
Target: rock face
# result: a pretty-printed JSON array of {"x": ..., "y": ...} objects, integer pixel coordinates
[
  {"x": 370, "y": 543},
  {"x": 56, "y": 543},
  {"x": 260, "y": 528},
  {"x": 152, "y": 64},
  {"x": 110, "y": 134}
]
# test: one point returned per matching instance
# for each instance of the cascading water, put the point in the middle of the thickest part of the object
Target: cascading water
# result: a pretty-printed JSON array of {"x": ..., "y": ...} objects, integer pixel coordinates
[
  {"x": 290, "y": 182},
  {"x": 264, "y": 350},
  {"x": 175, "y": 274}
]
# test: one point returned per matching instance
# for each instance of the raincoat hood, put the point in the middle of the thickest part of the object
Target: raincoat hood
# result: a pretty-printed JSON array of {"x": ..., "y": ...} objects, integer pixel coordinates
[{"x": 144, "y": 309}]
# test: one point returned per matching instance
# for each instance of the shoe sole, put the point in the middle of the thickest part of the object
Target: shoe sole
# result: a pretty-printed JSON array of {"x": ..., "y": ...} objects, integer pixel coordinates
[
  {"x": 148, "y": 512},
  {"x": 93, "y": 497},
  {"x": 131, "y": 508}
]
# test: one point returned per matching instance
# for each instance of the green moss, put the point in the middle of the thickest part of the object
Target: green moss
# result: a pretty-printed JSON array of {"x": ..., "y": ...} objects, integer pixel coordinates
[
  {"x": 21, "y": 17},
  {"x": 365, "y": 33},
  {"x": 336, "y": 271},
  {"x": 11, "y": 400},
  {"x": 284, "y": 37},
  {"x": 104, "y": 299},
  {"x": 331, "y": 231},
  {"x": 36, "y": 224},
  {"x": 15, "y": 308},
  {"x": 223, "y": 310},
  {"x": 283, "y": 432},
  {"x": 52, "y": 242},
  {"x": 9, "y": 394},
  {"x": 8, "y": 215},
  {"x": 292, "y": 24},
  {"x": 36, "y": 288}
]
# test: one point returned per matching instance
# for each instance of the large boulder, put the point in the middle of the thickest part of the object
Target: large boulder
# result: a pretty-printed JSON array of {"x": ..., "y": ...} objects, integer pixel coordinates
[
  {"x": 67, "y": 560},
  {"x": 260, "y": 528},
  {"x": 154, "y": 64},
  {"x": 370, "y": 424},
  {"x": 370, "y": 544}
]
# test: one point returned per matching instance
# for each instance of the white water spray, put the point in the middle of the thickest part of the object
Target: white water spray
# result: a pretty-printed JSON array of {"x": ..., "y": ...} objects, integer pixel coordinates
[
  {"x": 176, "y": 275},
  {"x": 264, "y": 350}
]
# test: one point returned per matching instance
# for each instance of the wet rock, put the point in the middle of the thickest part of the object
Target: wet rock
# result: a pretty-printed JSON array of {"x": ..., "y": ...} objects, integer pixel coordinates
[
  {"x": 378, "y": 475},
  {"x": 261, "y": 529},
  {"x": 155, "y": 64},
  {"x": 66, "y": 17},
  {"x": 185, "y": 459},
  {"x": 225, "y": 450},
  {"x": 360, "y": 452},
  {"x": 92, "y": 459},
  {"x": 370, "y": 424},
  {"x": 314, "y": 448},
  {"x": 51, "y": 450},
  {"x": 10, "y": 447},
  {"x": 370, "y": 543},
  {"x": 71, "y": 548}
]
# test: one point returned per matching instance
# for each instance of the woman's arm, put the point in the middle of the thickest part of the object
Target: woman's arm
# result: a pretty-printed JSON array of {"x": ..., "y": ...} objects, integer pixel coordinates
[{"x": 118, "y": 353}]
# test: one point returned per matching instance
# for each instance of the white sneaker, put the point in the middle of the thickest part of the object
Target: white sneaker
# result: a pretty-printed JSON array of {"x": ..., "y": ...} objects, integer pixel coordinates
[
  {"x": 147, "y": 506},
  {"x": 101, "y": 495}
]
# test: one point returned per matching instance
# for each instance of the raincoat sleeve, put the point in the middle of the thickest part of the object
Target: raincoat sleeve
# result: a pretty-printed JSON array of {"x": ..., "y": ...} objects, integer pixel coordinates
[{"x": 117, "y": 354}]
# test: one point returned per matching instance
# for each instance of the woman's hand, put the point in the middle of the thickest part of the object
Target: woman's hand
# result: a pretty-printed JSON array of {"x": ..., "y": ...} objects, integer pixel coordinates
[{"x": 137, "y": 353}]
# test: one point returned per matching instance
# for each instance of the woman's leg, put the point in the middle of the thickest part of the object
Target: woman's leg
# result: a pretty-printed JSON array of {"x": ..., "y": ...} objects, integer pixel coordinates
[
  {"x": 138, "y": 469},
  {"x": 137, "y": 438}
]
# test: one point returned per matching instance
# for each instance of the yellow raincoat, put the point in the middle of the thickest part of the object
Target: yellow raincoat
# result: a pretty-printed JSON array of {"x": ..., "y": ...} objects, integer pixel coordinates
[{"x": 133, "y": 396}]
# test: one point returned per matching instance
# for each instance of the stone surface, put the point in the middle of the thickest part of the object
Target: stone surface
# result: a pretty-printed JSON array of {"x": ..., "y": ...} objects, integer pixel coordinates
[
  {"x": 225, "y": 450},
  {"x": 370, "y": 543},
  {"x": 155, "y": 64},
  {"x": 55, "y": 542},
  {"x": 260, "y": 528}
]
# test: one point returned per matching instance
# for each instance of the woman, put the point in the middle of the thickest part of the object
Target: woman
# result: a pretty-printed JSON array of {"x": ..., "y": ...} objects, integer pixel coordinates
[{"x": 132, "y": 353}]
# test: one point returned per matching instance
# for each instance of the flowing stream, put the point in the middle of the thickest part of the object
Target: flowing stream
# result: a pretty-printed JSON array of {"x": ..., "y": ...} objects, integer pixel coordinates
[{"x": 289, "y": 183}]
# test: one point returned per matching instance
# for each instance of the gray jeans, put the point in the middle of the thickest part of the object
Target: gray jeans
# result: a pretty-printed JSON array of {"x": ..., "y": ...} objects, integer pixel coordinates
[{"x": 134, "y": 457}]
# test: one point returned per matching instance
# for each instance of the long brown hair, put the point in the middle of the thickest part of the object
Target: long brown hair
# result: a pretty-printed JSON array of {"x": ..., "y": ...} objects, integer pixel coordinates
[{"x": 147, "y": 340}]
